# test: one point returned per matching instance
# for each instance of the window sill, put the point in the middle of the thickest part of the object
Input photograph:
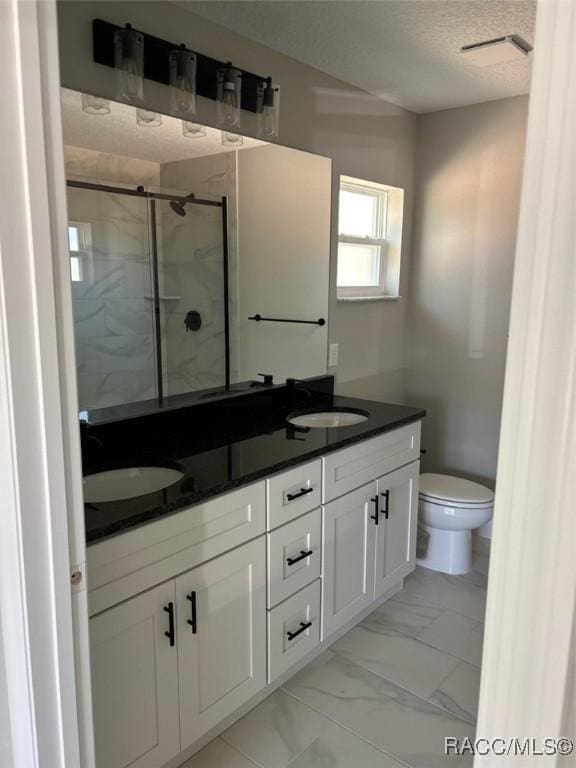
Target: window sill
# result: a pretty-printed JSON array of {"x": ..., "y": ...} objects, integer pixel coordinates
[{"x": 355, "y": 299}]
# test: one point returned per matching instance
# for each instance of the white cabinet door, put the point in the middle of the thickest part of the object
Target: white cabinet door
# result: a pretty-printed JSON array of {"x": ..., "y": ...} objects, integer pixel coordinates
[
  {"x": 349, "y": 538},
  {"x": 396, "y": 532},
  {"x": 221, "y": 637},
  {"x": 135, "y": 682}
]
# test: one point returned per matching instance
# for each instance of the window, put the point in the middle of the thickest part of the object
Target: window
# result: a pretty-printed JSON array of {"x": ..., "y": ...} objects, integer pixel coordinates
[
  {"x": 79, "y": 237},
  {"x": 367, "y": 261}
]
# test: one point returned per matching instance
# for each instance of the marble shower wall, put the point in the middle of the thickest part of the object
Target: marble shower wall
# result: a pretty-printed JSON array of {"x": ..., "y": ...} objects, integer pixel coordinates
[
  {"x": 192, "y": 268},
  {"x": 113, "y": 318}
]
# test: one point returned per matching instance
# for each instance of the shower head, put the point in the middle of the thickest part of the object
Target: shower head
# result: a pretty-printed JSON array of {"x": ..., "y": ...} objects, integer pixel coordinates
[{"x": 178, "y": 205}]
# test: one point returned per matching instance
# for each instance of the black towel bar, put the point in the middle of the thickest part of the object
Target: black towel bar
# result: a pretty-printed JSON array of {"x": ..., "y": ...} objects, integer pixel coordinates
[{"x": 259, "y": 318}]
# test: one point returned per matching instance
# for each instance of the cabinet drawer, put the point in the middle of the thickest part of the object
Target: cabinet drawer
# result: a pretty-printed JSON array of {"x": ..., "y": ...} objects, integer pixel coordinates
[
  {"x": 349, "y": 469},
  {"x": 292, "y": 493},
  {"x": 294, "y": 552},
  {"x": 140, "y": 558},
  {"x": 293, "y": 630}
]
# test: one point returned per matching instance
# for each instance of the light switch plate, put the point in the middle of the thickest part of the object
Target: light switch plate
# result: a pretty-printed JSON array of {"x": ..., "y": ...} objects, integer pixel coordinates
[{"x": 333, "y": 356}]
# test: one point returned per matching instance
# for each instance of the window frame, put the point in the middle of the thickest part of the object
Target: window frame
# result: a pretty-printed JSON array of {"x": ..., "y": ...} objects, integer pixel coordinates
[
  {"x": 381, "y": 193},
  {"x": 84, "y": 252}
]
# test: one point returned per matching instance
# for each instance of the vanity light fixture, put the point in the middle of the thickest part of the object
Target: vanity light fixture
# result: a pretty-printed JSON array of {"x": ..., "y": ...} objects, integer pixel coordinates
[
  {"x": 148, "y": 119},
  {"x": 268, "y": 106},
  {"x": 138, "y": 55},
  {"x": 232, "y": 139},
  {"x": 183, "y": 81},
  {"x": 94, "y": 105},
  {"x": 129, "y": 63},
  {"x": 228, "y": 96},
  {"x": 193, "y": 130}
]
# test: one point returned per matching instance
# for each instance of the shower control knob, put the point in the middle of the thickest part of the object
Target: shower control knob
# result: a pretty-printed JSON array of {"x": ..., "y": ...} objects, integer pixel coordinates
[{"x": 192, "y": 321}]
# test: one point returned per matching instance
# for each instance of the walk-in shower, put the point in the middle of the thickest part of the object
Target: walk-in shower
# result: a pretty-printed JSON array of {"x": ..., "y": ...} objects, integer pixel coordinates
[{"x": 150, "y": 287}]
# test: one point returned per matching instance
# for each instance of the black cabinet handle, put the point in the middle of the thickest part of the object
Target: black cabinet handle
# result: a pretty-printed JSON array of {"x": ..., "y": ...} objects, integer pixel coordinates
[
  {"x": 376, "y": 515},
  {"x": 303, "y": 554},
  {"x": 301, "y": 492},
  {"x": 304, "y": 625},
  {"x": 192, "y": 619},
  {"x": 386, "y": 510},
  {"x": 169, "y": 609}
]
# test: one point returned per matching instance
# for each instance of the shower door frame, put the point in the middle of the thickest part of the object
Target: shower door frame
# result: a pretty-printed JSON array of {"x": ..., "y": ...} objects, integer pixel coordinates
[{"x": 152, "y": 197}]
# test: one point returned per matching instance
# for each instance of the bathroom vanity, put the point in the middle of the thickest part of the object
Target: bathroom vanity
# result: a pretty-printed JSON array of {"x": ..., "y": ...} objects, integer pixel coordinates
[{"x": 206, "y": 595}]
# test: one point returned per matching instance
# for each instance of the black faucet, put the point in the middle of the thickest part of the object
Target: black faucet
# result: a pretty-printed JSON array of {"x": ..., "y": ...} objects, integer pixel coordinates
[
  {"x": 292, "y": 390},
  {"x": 87, "y": 440},
  {"x": 268, "y": 380}
]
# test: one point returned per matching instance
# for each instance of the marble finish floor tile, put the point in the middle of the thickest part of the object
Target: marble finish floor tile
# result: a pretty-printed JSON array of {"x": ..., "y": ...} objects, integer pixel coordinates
[
  {"x": 218, "y": 754},
  {"x": 403, "y": 660},
  {"x": 457, "y": 635},
  {"x": 406, "y": 613},
  {"x": 456, "y": 593},
  {"x": 338, "y": 748},
  {"x": 378, "y": 711},
  {"x": 459, "y": 692},
  {"x": 276, "y": 731}
]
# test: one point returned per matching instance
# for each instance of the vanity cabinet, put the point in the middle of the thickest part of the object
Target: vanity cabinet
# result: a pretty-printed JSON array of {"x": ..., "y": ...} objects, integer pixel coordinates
[
  {"x": 369, "y": 533},
  {"x": 221, "y": 637},
  {"x": 395, "y": 534},
  {"x": 134, "y": 682},
  {"x": 195, "y": 614},
  {"x": 349, "y": 553},
  {"x": 171, "y": 663}
]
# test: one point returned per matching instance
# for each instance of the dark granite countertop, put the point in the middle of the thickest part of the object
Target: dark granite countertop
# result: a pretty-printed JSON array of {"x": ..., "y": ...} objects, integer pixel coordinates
[{"x": 220, "y": 450}]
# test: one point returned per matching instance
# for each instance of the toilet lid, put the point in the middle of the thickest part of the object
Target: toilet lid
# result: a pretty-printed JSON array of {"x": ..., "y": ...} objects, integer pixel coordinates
[{"x": 454, "y": 489}]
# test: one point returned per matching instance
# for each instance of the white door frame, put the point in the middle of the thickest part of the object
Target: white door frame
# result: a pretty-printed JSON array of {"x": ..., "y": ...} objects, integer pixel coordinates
[
  {"x": 532, "y": 582},
  {"x": 40, "y": 471},
  {"x": 532, "y": 579}
]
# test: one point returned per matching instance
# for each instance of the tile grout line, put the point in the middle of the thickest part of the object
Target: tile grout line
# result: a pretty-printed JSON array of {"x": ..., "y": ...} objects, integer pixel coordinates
[
  {"x": 412, "y": 693},
  {"x": 250, "y": 759},
  {"x": 349, "y": 730}
]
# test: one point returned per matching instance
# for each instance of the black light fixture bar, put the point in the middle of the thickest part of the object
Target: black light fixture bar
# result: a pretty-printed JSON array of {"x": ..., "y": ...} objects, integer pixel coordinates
[
  {"x": 259, "y": 318},
  {"x": 156, "y": 64}
]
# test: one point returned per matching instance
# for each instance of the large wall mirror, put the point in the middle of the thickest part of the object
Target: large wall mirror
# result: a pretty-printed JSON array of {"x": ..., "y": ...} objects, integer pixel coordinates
[{"x": 177, "y": 242}]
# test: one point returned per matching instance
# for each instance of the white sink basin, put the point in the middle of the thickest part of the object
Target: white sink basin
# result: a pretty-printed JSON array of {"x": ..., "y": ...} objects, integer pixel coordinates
[
  {"x": 324, "y": 419},
  {"x": 117, "y": 484}
]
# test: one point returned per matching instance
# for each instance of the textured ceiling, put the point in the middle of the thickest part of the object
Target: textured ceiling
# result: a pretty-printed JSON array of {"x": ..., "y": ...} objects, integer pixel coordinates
[
  {"x": 404, "y": 51},
  {"x": 118, "y": 134}
]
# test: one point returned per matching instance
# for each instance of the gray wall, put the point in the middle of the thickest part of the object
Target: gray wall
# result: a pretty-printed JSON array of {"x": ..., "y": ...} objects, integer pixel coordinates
[
  {"x": 364, "y": 136},
  {"x": 469, "y": 177}
]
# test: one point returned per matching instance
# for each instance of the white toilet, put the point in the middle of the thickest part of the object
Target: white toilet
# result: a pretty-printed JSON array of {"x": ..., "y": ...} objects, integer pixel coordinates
[{"x": 449, "y": 508}]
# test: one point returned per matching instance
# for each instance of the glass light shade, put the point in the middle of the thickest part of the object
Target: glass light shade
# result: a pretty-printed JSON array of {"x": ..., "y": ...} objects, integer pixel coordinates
[
  {"x": 229, "y": 96},
  {"x": 129, "y": 63},
  {"x": 231, "y": 139},
  {"x": 193, "y": 130},
  {"x": 268, "y": 109},
  {"x": 183, "y": 82},
  {"x": 94, "y": 105},
  {"x": 148, "y": 119}
]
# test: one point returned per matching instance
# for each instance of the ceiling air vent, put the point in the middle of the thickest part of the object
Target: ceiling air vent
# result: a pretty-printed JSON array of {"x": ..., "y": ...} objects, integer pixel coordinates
[{"x": 500, "y": 50}]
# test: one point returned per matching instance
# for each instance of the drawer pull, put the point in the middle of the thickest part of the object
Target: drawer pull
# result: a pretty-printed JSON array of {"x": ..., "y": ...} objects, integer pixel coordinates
[
  {"x": 169, "y": 609},
  {"x": 376, "y": 515},
  {"x": 304, "y": 625},
  {"x": 301, "y": 492},
  {"x": 303, "y": 554},
  {"x": 192, "y": 619},
  {"x": 386, "y": 510}
]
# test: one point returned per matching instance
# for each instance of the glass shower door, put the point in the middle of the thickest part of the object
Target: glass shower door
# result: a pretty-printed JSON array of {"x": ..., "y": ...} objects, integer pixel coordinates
[
  {"x": 192, "y": 271},
  {"x": 112, "y": 293}
]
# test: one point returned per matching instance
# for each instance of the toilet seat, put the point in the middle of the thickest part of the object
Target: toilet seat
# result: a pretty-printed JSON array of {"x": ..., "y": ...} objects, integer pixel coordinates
[{"x": 448, "y": 491}]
